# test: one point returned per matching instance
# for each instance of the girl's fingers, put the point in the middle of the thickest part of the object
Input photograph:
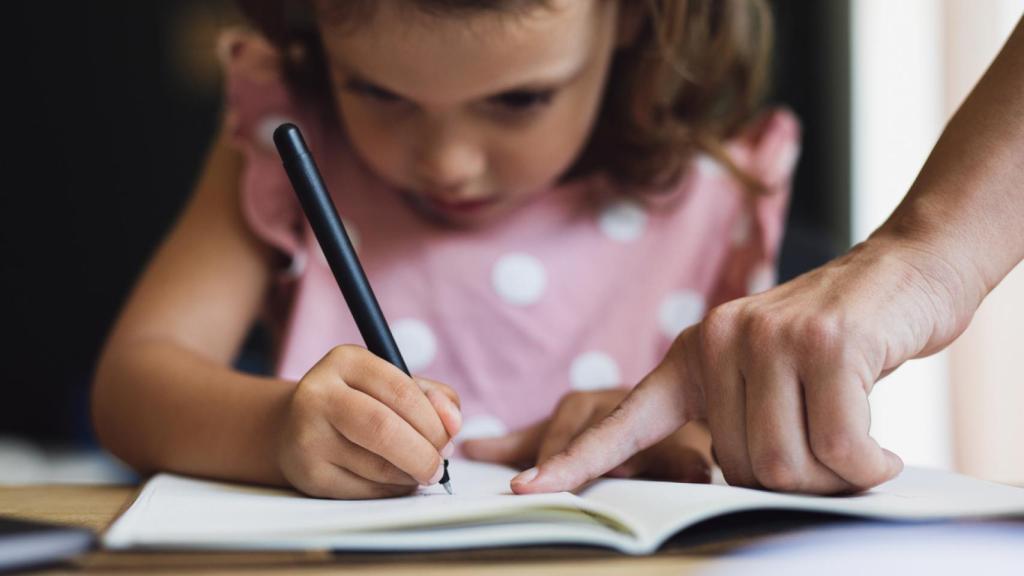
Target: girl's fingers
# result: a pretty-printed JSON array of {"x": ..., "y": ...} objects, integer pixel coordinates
[
  {"x": 680, "y": 464},
  {"x": 328, "y": 480},
  {"x": 445, "y": 402},
  {"x": 518, "y": 448},
  {"x": 653, "y": 410},
  {"x": 426, "y": 384},
  {"x": 391, "y": 387},
  {"x": 780, "y": 455},
  {"x": 371, "y": 424},
  {"x": 685, "y": 456},
  {"x": 365, "y": 464},
  {"x": 839, "y": 418}
]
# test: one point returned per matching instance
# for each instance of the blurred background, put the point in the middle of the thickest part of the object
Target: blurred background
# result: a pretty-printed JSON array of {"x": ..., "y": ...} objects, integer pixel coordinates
[{"x": 112, "y": 105}]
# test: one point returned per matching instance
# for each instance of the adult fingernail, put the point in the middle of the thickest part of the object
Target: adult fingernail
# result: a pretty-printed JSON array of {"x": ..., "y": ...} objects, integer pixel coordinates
[
  {"x": 448, "y": 450},
  {"x": 437, "y": 475},
  {"x": 526, "y": 476}
]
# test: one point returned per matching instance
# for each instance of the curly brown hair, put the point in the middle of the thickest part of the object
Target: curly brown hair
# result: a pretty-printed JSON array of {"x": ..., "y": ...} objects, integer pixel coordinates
[{"x": 694, "y": 75}]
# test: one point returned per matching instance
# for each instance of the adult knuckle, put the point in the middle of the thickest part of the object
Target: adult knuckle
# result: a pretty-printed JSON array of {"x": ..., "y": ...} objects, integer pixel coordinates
[
  {"x": 776, "y": 472},
  {"x": 764, "y": 326},
  {"x": 835, "y": 448},
  {"x": 823, "y": 335},
  {"x": 718, "y": 327},
  {"x": 734, "y": 477}
]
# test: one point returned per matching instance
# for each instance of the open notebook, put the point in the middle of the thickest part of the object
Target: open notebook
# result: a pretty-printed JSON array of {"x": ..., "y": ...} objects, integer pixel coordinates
[{"x": 632, "y": 516}]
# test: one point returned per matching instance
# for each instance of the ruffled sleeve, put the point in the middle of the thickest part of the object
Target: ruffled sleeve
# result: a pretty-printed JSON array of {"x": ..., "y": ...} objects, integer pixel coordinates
[
  {"x": 256, "y": 102},
  {"x": 768, "y": 151}
]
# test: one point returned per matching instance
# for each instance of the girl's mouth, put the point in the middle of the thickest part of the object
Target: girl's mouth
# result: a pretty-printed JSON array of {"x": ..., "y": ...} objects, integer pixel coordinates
[{"x": 460, "y": 206}]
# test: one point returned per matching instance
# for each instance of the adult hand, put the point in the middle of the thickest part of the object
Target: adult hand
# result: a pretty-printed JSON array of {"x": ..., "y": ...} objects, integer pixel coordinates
[
  {"x": 783, "y": 377},
  {"x": 683, "y": 456}
]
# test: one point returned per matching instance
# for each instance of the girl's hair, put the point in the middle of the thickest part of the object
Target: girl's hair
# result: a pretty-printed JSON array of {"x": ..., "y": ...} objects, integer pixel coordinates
[{"x": 693, "y": 76}]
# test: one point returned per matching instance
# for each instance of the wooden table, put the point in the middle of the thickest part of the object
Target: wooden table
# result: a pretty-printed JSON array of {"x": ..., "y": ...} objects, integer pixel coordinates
[{"x": 94, "y": 507}]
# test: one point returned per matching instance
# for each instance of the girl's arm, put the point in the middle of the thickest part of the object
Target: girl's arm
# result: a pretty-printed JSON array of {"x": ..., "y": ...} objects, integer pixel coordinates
[
  {"x": 783, "y": 377},
  {"x": 164, "y": 395}
]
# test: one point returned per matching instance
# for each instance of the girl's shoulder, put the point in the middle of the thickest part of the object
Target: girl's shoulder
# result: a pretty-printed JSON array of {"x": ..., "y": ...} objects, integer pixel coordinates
[
  {"x": 767, "y": 148},
  {"x": 256, "y": 96},
  {"x": 256, "y": 101},
  {"x": 734, "y": 215}
]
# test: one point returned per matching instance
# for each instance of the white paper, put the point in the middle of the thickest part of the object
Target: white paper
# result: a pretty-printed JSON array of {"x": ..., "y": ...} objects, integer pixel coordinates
[{"x": 628, "y": 515}]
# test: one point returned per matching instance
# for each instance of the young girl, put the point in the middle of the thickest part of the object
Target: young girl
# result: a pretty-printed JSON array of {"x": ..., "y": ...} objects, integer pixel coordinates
[{"x": 543, "y": 195}]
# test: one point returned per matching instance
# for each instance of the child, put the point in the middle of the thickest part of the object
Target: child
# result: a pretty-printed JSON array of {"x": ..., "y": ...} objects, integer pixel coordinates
[{"x": 543, "y": 195}]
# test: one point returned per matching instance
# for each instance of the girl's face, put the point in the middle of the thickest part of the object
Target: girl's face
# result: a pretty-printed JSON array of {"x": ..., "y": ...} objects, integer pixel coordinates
[{"x": 470, "y": 115}]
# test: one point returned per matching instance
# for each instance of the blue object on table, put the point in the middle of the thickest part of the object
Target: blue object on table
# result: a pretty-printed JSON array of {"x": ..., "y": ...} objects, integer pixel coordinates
[{"x": 25, "y": 544}]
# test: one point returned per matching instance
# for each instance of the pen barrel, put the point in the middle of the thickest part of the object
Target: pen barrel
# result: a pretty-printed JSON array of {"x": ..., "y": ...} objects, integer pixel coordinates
[{"x": 334, "y": 241}]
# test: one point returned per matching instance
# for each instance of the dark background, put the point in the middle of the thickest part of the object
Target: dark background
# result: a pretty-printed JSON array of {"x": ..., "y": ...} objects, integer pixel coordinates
[{"x": 110, "y": 107}]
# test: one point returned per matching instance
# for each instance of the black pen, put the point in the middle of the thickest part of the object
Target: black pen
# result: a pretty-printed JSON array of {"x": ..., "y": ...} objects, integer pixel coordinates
[{"x": 341, "y": 256}]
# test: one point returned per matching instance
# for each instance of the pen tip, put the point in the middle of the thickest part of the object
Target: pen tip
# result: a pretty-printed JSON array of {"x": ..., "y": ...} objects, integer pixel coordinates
[{"x": 445, "y": 480}]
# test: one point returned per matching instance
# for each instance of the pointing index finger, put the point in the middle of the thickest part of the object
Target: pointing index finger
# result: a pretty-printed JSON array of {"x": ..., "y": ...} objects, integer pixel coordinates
[{"x": 652, "y": 411}]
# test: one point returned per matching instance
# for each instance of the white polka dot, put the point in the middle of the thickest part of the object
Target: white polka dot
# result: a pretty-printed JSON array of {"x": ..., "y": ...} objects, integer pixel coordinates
[
  {"x": 741, "y": 229},
  {"x": 297, "y": 265},
  {"x": 265, "y": 129},
  {"x": 761, "y": 279},
  {"x": 353, "y": 236},
  {"x": 623, "y": 220},
  {"x": 594, "y": 371},
  {"x": 708, "y": 166},
  {"x": 678, "y": 311},
  {"x": 519, "y": 278},
  {"x": 484, "y": 426},
  {"x": 786, "y": 160},
  {"x": 416, "y": 342}
]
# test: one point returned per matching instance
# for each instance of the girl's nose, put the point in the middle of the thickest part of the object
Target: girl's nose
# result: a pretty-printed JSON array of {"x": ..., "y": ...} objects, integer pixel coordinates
[{"x": 450, "y": 164}]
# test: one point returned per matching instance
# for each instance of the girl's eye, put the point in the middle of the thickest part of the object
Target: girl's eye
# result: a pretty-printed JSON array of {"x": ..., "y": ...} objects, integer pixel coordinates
[
  {"x": 373, "y": 92},
  {"x": 522, "y": 100}
]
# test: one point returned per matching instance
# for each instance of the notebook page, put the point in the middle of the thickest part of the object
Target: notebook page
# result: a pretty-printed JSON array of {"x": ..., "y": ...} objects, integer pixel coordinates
[
  {"x": 657, "y": 510},
  {"x": 182, "y": 510}
]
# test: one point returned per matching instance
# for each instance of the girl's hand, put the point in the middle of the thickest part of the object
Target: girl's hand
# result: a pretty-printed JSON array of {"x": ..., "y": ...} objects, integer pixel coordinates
[
  {"x": 683, "y": 456},
  {"x": 783, "y": 377},
  {"x": 358, "y": 427}
]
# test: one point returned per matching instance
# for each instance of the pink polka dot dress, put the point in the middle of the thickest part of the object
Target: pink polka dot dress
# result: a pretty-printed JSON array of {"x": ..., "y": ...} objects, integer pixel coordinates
[{"x": 582, "y": 289}]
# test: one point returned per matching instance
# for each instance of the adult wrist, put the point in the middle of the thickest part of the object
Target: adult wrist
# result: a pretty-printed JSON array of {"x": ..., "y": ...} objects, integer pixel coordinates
[{"x": 937, "y": 264}]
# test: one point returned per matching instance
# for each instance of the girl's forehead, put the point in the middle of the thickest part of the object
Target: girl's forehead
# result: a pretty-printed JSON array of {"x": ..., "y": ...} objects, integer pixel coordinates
[{"x": 436, "y": 58}]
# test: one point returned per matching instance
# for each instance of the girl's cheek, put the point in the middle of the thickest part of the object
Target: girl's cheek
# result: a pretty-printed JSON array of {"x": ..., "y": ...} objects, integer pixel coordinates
[
  {"x": 376, "y": 142},
  {"x": 540, "y": 161}
]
